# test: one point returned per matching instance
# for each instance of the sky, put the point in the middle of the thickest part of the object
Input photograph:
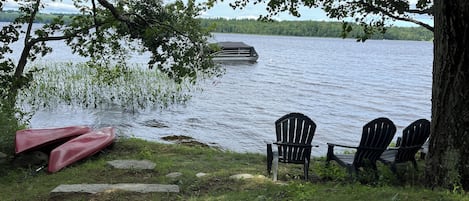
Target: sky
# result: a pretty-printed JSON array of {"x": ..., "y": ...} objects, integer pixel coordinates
[{"x": 222, "y": 10}]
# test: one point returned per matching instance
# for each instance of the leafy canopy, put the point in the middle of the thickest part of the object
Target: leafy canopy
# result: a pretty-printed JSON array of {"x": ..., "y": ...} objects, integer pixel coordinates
[{"x": 106, "y": 32}]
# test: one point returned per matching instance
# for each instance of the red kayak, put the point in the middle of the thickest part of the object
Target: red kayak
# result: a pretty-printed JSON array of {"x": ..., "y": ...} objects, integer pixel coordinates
[
  {"x": 29, "y": 139},
  {"x": 80, "y": 147}
]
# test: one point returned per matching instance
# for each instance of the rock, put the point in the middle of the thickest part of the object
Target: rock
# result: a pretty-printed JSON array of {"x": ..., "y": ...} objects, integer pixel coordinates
[
  {"x": 174, "y": 174},
  {"x": 201, "y": 174},
  {"x": 98, "y": 188},
  {"x": 177, "y": 138},
  {"x": 154, "y": 123},
  {"x": 242, "y": 176},
  {"x": 184, "y": 140},
  {"x": 247, "y": 176},
  {"x": 132, "y": 164}
]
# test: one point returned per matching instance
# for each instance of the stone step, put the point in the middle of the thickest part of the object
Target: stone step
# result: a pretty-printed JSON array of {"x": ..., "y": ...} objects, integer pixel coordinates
[
  {"x": 98, "y": 188},
  {"x": 132, "y": 164}
]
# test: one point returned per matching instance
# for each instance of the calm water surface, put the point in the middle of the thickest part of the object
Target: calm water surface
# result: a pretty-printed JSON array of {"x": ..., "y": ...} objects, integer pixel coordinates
[{"x": 340, "y": 84}]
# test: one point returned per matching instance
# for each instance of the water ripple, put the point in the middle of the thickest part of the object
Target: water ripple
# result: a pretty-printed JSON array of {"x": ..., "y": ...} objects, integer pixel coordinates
[{"x": 339, "y": 83}]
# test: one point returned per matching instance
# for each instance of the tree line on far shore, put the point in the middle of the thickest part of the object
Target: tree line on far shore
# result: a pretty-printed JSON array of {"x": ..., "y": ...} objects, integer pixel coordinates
[
  {"x": 312, "y": 29},
  {"x": 286, "y": 28}
]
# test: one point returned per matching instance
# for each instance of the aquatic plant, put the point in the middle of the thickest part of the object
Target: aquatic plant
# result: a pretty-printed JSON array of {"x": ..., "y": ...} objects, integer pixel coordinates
[{"x": 96, "y": 86}]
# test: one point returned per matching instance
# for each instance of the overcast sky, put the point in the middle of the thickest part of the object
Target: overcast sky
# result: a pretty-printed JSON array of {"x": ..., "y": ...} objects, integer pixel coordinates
[{"x": 221, "y": 9}]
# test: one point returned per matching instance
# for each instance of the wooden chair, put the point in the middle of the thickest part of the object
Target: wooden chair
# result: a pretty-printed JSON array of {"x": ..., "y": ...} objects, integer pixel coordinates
[
  {"x": 407, "y": 146},
  {"x": 294, "y": 132},
  {"x": 376, "y": 136}
]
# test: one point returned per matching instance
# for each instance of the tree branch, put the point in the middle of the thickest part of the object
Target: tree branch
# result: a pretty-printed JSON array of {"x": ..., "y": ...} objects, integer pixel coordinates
[
  {"x": 129, "y": 22},
  {"x": 427, "y": 26},
  {"x": 114, "y": 11},
  {"x": 396, "y": 17},
  {"x": 94, "y": 16},
  {"x": 29, "y": 44},
  {"x": 31, "y": 21},
  {"x": 428, "y": 11}
]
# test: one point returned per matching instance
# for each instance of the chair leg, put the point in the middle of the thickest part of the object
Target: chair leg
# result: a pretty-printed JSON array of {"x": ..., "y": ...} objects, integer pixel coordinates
[
  {"x": 394, "y": 168},
  {"x": 352, "y": 171},
  {"x": 275, "y": 164},
  {"x": 414, "y": 162},
  {"x": 269, "y": 158},
  {"x": 306, "y": 168}
]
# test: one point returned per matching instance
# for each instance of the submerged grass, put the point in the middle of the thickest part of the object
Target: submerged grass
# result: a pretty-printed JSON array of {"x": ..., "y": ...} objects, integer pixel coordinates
[
  {"x": 88, "y": 85},
  {"x": 326, "y": 183}
]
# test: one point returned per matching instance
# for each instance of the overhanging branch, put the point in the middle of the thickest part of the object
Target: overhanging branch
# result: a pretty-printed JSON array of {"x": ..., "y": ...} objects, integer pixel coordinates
[
  {"x": 396, "y": 17},
  {"x": 145, "y": 23},
  {"x": 428, "y": 11}
]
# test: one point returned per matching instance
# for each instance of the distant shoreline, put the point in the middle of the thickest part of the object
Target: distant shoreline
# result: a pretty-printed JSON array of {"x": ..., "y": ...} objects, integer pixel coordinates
[{"x": 281, "y": 28}]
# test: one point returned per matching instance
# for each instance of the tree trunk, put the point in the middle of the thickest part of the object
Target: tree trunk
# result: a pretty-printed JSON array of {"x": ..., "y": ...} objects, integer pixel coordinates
[{"x": 448, "y": 159}]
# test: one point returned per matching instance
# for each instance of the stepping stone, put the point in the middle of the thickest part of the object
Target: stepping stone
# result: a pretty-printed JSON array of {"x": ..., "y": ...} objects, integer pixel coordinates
[
  {"x": 201, "y": 174},
  {"x": 247, "y": 176},
  {"x": 132, "y": 164},
  {"x": 242, "y": 176},
  {"x": 174, "y": 174},
  {"x": 98, "y": 188}
]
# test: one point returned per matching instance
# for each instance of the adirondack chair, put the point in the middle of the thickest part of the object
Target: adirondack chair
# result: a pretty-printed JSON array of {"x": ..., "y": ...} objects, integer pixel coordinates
[
  {"x": 407, "y": 146},
  {"x": 376, "y": 136},
  {"x": 294, "y": 132}
]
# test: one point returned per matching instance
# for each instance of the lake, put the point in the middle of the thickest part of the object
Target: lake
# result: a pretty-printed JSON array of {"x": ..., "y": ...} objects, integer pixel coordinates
[{"x": 340, "y": 84}]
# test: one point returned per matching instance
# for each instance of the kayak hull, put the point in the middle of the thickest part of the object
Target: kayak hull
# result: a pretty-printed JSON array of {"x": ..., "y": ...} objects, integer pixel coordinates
[
  {"x": 30, "y": 139},
  {"x": 80, "y": 147}
]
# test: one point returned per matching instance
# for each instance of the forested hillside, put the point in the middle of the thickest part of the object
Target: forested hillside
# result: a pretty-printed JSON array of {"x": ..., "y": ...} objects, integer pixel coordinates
[
  {"x": 287, "y": 28},
  {"x": 9, "y": 16}
]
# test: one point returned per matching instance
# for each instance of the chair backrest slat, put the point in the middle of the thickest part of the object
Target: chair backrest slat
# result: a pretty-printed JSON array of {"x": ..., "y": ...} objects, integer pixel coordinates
[
  {"x": 376, "y": 136},
  {"x": 294, "y": 128}
]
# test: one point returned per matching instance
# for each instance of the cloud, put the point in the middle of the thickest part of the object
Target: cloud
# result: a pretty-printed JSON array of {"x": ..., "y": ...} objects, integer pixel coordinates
[
  {"x": 65, "y": 6},
  {"x": 224, "y": 10},
  {"x": 60, "y": 7}
]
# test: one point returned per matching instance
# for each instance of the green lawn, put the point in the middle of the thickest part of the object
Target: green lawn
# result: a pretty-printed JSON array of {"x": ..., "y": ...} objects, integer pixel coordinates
[{"x": 326, "y": 182}]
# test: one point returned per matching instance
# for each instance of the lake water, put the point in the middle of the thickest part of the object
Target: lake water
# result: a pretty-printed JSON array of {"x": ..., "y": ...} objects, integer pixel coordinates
[{"x": 340, "y": 84}]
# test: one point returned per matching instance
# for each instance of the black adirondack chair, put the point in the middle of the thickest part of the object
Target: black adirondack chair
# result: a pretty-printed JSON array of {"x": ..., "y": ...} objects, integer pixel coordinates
[
  {"x": 295, "y": 132},
  {"x": 376, "y": 136},
  {"x": 407, "y": 146}
]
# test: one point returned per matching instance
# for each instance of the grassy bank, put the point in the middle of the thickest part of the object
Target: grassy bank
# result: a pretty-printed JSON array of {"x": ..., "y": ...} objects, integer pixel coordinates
[{"x": 325, "y": 184}]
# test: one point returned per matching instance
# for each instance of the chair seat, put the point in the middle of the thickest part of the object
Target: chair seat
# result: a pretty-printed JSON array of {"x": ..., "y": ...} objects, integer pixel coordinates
[
  {"x": 346, "y": 158},
  {"x": 389, "y": 155}
]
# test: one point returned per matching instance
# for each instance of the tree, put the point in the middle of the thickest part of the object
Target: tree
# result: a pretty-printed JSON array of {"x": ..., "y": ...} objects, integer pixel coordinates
[
  {"x": 448, "y": 160},
  {"x": 447, "y": 164},
  {"x": 170, "y": 32}
]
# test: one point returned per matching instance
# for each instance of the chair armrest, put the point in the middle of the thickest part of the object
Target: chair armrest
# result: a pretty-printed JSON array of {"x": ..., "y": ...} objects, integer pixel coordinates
[
  {"x": 330, "y": 150},
  {"x": 293, "y": 144},
  {"x": 411, "y": 147},
  {"x": 338, "y": 145}
]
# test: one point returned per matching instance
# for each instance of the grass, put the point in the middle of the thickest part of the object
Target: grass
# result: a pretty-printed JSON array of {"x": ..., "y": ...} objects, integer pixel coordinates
[{"x": 326, "y": 183}]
